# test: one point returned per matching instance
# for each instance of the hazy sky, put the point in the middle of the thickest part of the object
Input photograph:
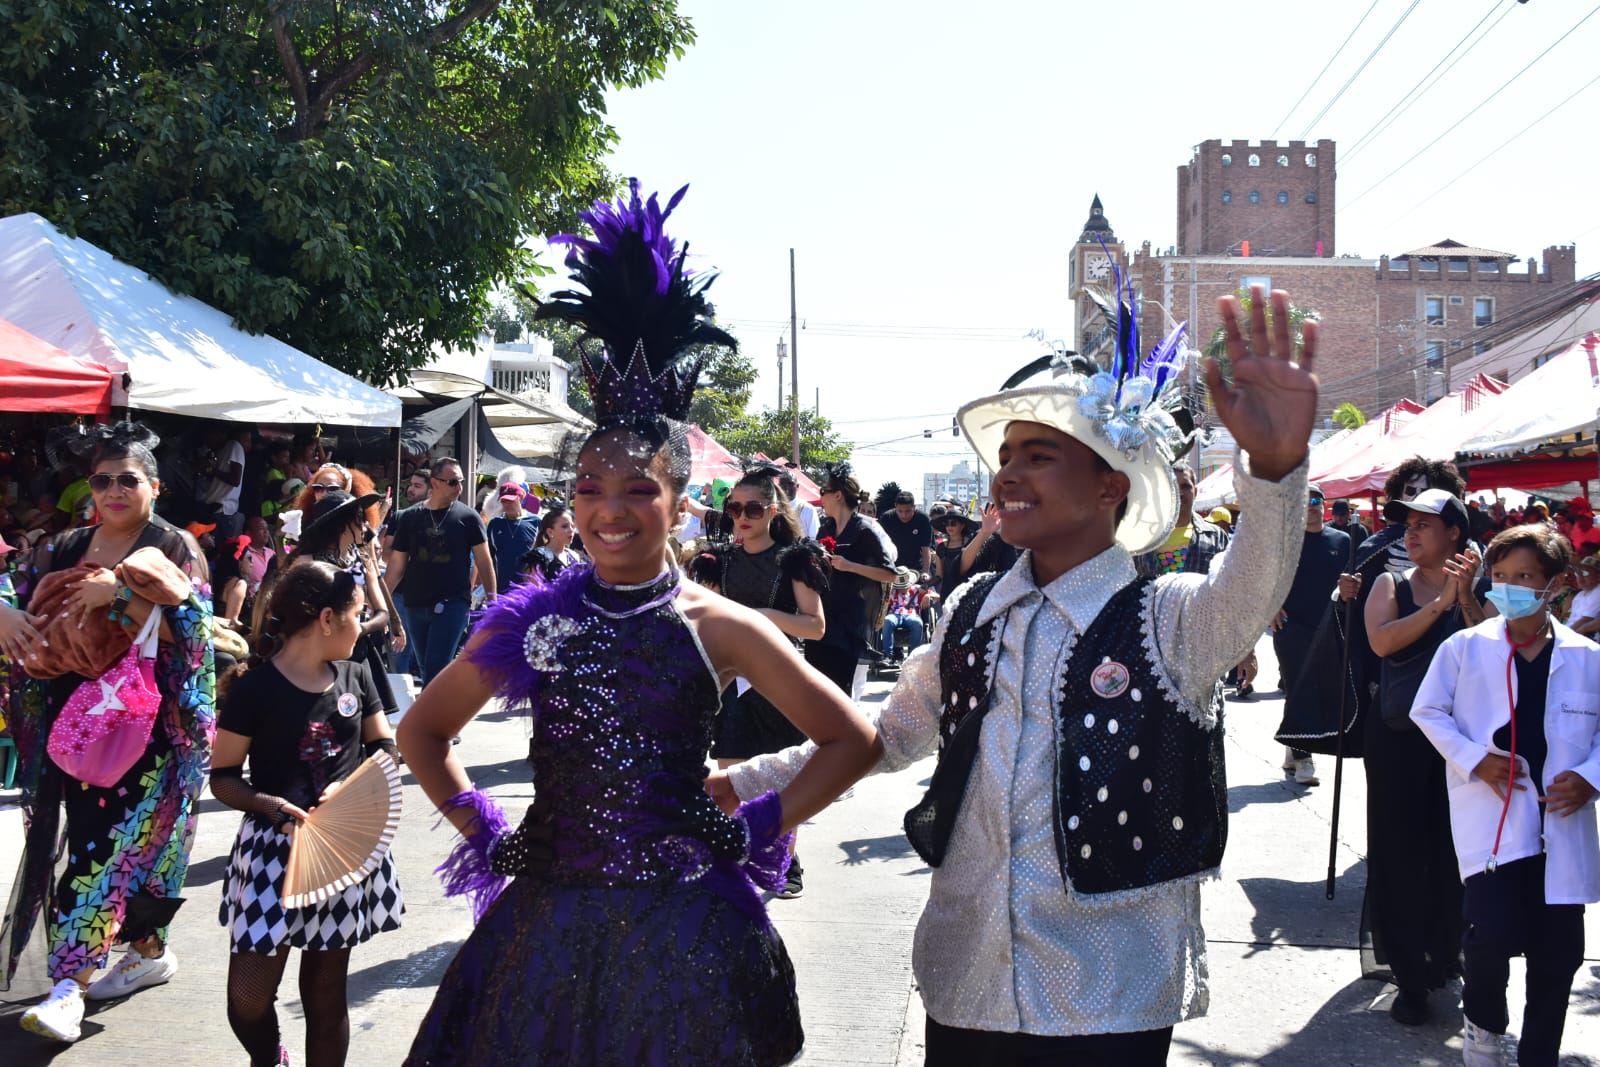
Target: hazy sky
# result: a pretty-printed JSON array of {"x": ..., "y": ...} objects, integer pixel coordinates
[{"x": 932, "y": 164}]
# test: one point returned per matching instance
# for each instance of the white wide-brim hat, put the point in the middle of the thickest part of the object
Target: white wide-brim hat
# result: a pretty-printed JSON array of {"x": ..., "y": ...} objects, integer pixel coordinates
[{"x": 1152, "y": 486}]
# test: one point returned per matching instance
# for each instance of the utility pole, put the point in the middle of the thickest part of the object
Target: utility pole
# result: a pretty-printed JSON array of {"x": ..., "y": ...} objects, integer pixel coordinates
[
  {"x": 794, "y": 367},
  {"x": 783, "y": 352}
]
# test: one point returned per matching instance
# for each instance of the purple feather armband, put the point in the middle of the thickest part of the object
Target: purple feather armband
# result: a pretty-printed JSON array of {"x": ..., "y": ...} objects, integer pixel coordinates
[
  {"x": 467, "y": 871},
  {"x": 767, "y": 863}
]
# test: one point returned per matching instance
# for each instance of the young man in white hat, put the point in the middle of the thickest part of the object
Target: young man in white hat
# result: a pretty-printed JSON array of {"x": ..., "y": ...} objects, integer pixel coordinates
[{"x": 1080, "y": 796}]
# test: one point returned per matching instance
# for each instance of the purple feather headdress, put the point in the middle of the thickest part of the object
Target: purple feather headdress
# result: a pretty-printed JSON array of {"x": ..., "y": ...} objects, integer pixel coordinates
[{"x": 643, "y": 305}]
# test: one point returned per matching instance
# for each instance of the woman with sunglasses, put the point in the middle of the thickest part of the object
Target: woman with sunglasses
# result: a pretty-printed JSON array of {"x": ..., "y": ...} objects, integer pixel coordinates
[
  {"x": 331, "y": 476},
  {"x": 771, "y": 568},
  {"x": 127, "y": 844}
]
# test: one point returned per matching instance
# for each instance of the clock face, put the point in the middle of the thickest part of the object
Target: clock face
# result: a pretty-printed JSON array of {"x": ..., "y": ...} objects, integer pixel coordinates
[{"x": 1097, "y": 267}]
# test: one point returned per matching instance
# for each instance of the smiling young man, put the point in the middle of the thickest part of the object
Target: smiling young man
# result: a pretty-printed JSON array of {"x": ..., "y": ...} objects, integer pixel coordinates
[{"x": 1080, "y": 796}]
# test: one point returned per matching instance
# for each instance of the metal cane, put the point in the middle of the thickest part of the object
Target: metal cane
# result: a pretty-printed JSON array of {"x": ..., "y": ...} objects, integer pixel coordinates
[{"x": 1338, "y": 743}]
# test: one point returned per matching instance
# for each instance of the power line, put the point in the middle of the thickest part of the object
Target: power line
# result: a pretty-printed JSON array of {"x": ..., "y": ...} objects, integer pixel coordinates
[
  {"x": 1312, "y": 229},
  {"x": 1336, "y": 53},
  {"x": 1402, "y": 105},
  {"x": 1370, "y": 57},
  {"x": 1475, "y": 110},
  {"x": 1575, "y": 93},
  {"x": 891, "y": 418}
]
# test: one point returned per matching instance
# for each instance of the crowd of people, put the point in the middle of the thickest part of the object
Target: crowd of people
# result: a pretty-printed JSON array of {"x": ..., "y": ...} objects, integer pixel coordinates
[{"x": 1065, "y": 653}]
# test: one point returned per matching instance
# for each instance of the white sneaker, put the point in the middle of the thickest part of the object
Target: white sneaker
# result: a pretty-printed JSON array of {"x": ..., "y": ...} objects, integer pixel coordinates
[
  {"x": 1289, "y": 762},
  {"x": 132, "y": 973},
  {"x": 60, "y": 1015},
  {"x": 1305, "y": 772},
  {"x": 1480, "y": 1048}
]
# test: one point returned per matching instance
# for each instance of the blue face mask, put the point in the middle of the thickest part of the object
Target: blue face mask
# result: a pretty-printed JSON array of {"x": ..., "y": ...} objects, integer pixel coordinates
[{"x": 1515, "y": 601}]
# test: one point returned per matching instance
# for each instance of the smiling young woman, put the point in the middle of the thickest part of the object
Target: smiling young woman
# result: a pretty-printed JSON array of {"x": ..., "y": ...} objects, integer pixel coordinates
[{"x": 621, "y": 664}]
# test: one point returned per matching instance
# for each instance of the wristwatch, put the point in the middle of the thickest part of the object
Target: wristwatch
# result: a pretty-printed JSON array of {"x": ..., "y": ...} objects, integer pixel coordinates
[{"x": 119, "y": 604}]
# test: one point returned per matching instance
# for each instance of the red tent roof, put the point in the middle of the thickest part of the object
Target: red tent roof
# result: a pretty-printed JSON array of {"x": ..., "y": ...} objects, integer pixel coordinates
[
  {"x": 37, "y": 376},
  {"x": 1436, "y": 433},
  {"x": 1345, "y": 469},
  {"x": 709, "y": 461},
  {"x": 808, "y": 490}
]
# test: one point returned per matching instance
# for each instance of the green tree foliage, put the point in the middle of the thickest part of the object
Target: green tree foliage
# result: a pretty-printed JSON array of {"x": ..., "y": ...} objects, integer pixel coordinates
[
  {"x": 1348, "y": 416},
  {"x": 354, "y": 178},
  {"x": 1217, "y": 347},
  {"x": 769, "y": 432}
]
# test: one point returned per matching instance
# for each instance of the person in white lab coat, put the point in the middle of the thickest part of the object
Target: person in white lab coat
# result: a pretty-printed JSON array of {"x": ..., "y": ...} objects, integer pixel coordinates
[{"x": 1513, "y": 705}]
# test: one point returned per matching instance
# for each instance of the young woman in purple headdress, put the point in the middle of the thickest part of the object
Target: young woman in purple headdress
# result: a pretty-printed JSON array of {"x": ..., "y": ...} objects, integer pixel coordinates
[{"x": 643, "y": 938}]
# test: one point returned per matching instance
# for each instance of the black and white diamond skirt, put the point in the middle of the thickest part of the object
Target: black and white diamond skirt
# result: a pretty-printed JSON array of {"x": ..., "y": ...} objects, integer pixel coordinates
[{"x": 257, "y": 921}]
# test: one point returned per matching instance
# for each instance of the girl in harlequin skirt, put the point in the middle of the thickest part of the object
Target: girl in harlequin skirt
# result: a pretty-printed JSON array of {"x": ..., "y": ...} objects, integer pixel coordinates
[{"x": 304, "y": 714}]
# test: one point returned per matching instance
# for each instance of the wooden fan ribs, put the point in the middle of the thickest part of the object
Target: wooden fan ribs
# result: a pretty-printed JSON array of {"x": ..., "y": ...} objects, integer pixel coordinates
[{"x": 347, "y": 837}]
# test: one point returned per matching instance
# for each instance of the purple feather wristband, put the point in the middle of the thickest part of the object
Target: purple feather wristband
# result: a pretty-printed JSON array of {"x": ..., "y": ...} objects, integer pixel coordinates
[
  {"x": 466, "y": 871},
  {"x": 767, "y": 862}
]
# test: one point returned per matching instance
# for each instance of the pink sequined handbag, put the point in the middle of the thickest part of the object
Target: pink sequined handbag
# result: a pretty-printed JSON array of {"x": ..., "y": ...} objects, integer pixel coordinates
[{"x": 104, "y": 728}]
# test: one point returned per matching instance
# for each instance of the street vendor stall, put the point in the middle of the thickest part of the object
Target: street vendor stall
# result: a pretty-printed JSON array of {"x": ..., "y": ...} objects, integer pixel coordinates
[
  {"x": 1343, "y": 471},
  {"x": 166, "y": 352},
  {"x": 1435, "y": 433},
  {"x": 1552, "y": 410},
  {"x": 493, "y": 428}
]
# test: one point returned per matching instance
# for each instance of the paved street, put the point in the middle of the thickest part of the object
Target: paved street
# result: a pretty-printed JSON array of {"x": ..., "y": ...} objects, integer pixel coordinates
[{"x": 1286, "y": 986}]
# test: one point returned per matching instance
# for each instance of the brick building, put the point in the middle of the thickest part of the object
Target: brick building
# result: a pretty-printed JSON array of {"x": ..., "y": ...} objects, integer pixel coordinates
[
  {"x": 1263, "y": 213},
  {"x": 1278, "y": 198},
  {"x": 1177, "y": 288},
  {"x": 1437, "y": 308}
]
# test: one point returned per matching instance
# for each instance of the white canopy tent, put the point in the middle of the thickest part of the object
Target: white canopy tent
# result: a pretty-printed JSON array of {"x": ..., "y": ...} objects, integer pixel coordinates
[
  {"x": 180, "y": 355},
  {"x": 1560, "y": 398}
]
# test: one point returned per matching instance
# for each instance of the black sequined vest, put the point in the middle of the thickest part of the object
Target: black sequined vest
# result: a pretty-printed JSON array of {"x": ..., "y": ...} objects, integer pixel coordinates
[{"x": 1140, "y": 787}]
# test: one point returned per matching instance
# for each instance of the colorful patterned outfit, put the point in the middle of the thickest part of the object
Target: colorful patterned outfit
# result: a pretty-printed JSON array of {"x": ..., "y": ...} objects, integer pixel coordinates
[
  {"x": 643, "y": 943},
  {"x": 128, "y": 844}
]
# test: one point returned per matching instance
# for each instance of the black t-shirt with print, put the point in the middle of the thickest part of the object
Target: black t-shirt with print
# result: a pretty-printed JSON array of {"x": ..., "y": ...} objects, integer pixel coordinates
[
  {"x": 438, "y": 547},
  {"x": 909, "y": 538},
  {"x": 300, "y": 742}
]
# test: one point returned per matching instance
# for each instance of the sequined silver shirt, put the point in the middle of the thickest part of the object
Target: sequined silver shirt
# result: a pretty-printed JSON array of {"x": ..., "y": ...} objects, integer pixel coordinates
[{"x": 1003, "y": 945}]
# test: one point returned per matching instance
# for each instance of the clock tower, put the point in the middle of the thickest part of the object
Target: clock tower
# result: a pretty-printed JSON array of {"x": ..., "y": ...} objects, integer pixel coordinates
[{"x": 1091, "y": 268}]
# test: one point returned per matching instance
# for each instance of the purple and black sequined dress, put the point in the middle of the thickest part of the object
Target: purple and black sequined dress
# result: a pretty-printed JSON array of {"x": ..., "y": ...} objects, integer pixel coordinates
[{"x": 643, "y": 944}]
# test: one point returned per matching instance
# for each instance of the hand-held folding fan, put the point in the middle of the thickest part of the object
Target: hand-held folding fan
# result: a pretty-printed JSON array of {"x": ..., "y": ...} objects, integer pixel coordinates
[{"x": 346, "y": 838}]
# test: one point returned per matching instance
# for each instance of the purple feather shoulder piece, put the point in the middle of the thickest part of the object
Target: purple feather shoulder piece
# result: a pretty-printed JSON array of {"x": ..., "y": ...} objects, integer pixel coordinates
[{"x": 519, "y": 634}]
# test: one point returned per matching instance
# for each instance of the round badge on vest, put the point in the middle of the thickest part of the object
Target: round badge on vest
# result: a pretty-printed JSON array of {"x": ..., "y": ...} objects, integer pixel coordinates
[
  {"x": 1109, "y": 680},
  {"x": 348, "y": 704}
]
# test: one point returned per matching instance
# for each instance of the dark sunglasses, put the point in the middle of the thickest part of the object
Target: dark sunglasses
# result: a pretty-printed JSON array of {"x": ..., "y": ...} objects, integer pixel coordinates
[
  {"x": 101, "y": 482},
  {"x": 320, "y": 488},
  {"x": 451, "y": 482},
  {"x": 752, "y": 510}
]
